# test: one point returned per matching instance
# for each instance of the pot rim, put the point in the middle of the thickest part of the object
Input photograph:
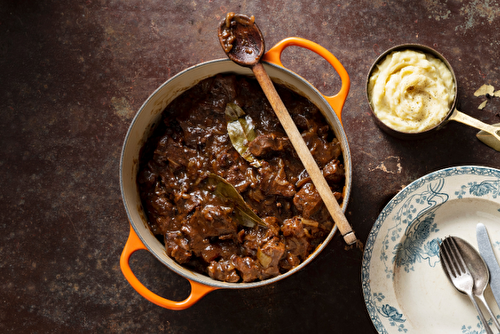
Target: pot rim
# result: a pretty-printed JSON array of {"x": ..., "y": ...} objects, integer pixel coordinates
[
  {"x": 339, "y": 133},
  {"x": 405, "y": 134}
]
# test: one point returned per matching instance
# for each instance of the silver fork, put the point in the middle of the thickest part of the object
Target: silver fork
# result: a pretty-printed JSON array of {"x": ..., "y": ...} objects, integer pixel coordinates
[{"x": 459, "y": 274}]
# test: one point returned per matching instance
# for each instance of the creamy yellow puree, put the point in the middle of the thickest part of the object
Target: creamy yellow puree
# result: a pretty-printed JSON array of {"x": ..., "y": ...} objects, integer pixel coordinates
[{"x": 411, "y": 91}]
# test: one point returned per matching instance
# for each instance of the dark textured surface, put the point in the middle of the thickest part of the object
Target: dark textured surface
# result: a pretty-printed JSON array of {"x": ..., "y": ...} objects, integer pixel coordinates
[{"x": 73, "y": 74}]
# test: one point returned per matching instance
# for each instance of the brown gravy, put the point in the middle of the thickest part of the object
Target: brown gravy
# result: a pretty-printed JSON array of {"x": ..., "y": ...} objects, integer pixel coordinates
[{"x": 199, "y": 229}]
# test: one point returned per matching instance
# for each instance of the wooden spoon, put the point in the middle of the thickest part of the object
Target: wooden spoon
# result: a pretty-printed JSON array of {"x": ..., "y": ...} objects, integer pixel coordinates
[{"x": 243, "y": 43}]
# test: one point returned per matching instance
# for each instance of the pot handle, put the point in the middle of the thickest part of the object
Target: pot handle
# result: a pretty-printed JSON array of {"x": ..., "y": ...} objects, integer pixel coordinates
[
  {"x": 336, "y": 101},
  {"x": 134, "y": 244}
]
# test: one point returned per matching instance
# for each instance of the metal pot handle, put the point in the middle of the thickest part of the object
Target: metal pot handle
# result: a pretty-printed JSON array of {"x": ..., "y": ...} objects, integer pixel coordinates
[
  {"x": 134, "y": 244},
  {"x": 336, "y": 101}
]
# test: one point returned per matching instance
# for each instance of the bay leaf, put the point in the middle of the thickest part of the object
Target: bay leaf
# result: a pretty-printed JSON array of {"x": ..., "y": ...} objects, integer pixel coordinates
[
  {"x": 241, "y": 130},
  {"x": 484, "y": 90},
  {"x": 482, "y": 105},
  {"x": 243, "y": 213},
  {"x": 233, "y": 112}
]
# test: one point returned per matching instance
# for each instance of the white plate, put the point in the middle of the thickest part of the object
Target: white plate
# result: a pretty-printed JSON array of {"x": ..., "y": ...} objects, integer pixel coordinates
[{"x": 404, "y": 286}]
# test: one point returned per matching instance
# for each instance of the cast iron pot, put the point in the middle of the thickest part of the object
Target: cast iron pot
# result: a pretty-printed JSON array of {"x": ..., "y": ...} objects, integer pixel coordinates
[{"x": 148, "y": 117}]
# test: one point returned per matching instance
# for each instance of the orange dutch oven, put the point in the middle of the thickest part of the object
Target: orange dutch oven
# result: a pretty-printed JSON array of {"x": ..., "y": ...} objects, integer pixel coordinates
[{"x": 148, "y": 116}]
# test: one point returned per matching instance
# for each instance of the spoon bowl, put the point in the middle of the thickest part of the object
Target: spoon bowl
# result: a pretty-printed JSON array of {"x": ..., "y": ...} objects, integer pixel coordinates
[
  {"x": 241, "y": 39},
  {"x": 476, "y": 265}
]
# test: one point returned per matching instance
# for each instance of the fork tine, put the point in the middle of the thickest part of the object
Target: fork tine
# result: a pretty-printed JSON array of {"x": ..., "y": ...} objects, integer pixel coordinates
[
  {"x": 447, "y": 260},
  {"x": 452, "y": 256},
  {"x": 443, "y": 254},
  {"x": 459, "y": 258}
]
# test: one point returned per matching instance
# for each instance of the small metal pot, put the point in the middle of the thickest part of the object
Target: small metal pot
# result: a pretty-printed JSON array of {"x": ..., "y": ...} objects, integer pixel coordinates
[
  {"x": 144, "y": 123},
  {"x": 452, "y": 115},
  {"x": 402, "y": 134}
]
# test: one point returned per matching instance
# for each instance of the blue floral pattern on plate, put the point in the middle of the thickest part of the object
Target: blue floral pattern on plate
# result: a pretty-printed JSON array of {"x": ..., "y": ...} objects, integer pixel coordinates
[{"x": 410, "y": 237}]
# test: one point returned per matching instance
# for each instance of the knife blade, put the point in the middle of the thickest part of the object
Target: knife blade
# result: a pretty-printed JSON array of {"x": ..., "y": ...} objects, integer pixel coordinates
[{"x": 486, "y": 251}]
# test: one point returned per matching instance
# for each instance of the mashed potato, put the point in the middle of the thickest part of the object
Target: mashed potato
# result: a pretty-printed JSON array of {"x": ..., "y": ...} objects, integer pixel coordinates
[{"x": 411, "y": 91}]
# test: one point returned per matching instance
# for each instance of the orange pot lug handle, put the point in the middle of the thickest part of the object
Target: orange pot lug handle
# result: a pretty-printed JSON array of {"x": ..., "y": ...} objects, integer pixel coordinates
[
  {"x": 336, "y": 101},
  {"x": 134, "y": 244}
]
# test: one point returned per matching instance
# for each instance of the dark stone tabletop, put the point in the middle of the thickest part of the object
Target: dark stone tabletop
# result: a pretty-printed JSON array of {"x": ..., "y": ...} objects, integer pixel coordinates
[{"x": 73, "y": 75}]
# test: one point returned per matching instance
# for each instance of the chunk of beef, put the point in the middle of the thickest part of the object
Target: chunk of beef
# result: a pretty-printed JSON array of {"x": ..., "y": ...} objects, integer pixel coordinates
[
  {"x": 293, "y": 227},
  {"x": 221, "y": 249},
  {"x": 334, "y": 171},
  {"x": 322, "y": 150},
  {"x": 211, "y": 252},
  {"x": 160, "y": 213},
  {"x": 273, "y": 228},
  {"x": 177, "y": 246},
  {"x": 197, "y": 132},
  {"x": 218, "y": 220},
  {"x": 213, "y": 220},
  {"x": 274, "y": 180},
  {"x": 248, "y": 268},
  {"x": 265, "y": 144},
  {"x": 269, "y": 257},
  {"x": 301, "y": 121},
  {"x": 205, "y": 222},
  {"x": 224, "y": 89},
  {"x": 160, "y": 225},
  {"x": 230, "y": 165},
  {"x": 296, "y": 240},
  {"x": 253, "y": 239},
  {"x": 223, "y": 270},
  {"x": 174, "y": 152},
  {"x": 147, "y": 177},
  {"x": 238, "y": 175},
  {"x": 298, "y": 247},
  {"x": 307, "y": 200},
  {"x": 160, "y": 205}
]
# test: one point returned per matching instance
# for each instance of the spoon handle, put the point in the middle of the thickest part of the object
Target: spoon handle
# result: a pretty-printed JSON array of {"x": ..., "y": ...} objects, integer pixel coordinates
[
  {"x": 459, "y": 116},
  {"x": 304, "y": 154},
  {"x": 493, "y": 317},
  {"x": 481, "y": 316}
]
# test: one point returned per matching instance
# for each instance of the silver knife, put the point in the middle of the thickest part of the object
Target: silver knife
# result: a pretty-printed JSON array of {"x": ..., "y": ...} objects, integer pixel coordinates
[{"x": 484, "y": 245}]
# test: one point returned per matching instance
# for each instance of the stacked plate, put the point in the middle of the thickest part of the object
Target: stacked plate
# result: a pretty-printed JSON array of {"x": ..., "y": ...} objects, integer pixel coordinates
[{"x": 404, "y": 286}]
